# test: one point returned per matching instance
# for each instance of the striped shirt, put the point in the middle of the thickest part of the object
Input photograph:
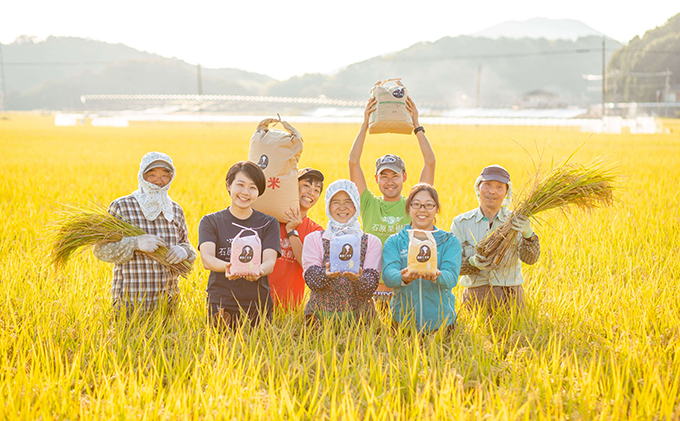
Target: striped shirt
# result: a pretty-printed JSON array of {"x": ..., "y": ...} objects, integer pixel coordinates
[{"x": 137, "y": 279}]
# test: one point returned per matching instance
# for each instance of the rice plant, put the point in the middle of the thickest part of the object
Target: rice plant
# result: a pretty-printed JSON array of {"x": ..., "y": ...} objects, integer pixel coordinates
[{"x": 599, "y": 339}]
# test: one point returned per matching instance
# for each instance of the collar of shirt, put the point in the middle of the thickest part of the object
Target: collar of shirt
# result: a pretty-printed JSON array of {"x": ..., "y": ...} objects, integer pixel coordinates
[{"x": 502, "y": 215}]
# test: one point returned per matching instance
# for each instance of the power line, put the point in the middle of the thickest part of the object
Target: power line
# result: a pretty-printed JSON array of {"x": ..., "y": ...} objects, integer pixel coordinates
[
  {"x": 509, "y": 55},
  {"x": 64, "y": 63},
  {"x": 516, "y": 55},
  {"x": 386, "y": 58}
]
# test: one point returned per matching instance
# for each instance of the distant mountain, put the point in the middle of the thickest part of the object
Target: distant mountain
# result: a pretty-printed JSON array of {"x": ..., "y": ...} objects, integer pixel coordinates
[
  {"x": 638, "y": 71},
  {"x": 54, "y": 73},
  {"x": 540, "y": 28},
  {"x": 444, "y": 73}
]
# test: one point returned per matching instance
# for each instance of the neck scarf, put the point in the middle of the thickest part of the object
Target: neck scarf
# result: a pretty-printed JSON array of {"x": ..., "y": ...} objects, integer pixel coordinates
[
  {"x": 153, "y": 199},
  {"x": 352, "y": 226}
]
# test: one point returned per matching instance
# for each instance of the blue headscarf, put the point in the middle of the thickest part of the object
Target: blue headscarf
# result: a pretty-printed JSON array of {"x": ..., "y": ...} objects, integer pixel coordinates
[{"x": 352, "y": 226}]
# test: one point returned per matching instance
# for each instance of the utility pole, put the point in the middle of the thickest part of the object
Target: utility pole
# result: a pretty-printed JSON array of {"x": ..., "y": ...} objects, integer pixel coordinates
[
  {"x": 479, "y": 85},
  {"x": 667, "y": 92},
  {"x": 200, "y": 81},
  {"x": 603, "y": 78},
  {"x": 200, "y": 87}
]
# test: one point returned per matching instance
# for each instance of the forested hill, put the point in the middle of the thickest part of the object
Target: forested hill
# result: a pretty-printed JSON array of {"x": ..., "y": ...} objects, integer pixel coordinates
[
  {"x": 445, "y": 71},
  {"x": 442, "y": 72},
  {"x": 52, "y": 74},
  {"x": 636, "y": 68}
]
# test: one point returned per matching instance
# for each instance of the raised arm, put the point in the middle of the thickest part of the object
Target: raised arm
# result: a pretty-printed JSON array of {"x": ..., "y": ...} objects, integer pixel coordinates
[
  {"x": 356, "y": 174},
  {"x": 293, "y": 221},
  {"x": 429, "y": 161}
]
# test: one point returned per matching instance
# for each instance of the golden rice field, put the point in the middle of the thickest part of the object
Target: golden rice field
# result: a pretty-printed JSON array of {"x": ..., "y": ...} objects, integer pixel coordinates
[{"x": 600, "y": 338}]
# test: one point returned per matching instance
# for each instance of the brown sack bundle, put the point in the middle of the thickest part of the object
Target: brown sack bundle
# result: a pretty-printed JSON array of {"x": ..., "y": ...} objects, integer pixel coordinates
[
  {"x": 391, "y": 115},
  {"x": 277, "y": 153}
]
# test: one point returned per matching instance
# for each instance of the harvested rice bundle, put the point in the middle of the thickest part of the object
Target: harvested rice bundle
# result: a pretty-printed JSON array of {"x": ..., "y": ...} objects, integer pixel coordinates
[
  {"x": 585, "y": 187},
  {"x": 92, "y": 225}
]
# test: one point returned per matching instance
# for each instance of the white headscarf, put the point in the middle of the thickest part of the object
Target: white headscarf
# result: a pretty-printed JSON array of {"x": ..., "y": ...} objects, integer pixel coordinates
[
  {"x": 507, "y": 200},
  {"x": 352, "y": 226},
  {"x": 154, "y": 199}
]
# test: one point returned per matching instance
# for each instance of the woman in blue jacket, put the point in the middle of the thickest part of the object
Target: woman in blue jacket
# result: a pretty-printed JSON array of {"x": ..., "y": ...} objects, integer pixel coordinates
[{"x": 422, "y": 298}]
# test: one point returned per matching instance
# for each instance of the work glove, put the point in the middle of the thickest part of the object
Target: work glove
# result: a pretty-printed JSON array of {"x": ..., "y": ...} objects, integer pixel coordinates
[
  {"x": 481, "y": 262},
  {"x": 523, "y": 225},
  {"x": 149, "y": 243},
  {"x": 176, "y": 254}
]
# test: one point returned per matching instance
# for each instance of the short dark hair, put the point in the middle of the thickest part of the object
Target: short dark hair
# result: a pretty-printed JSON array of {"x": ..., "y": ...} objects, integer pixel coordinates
[
  {"x": 251, "y": 171},
  {"x": 312, "y": 178},
  {"x": 417, "y": 189}
]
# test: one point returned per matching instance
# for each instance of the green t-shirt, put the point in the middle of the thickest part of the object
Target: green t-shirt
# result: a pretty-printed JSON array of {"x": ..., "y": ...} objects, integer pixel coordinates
[{"x": 382, "y": 218}]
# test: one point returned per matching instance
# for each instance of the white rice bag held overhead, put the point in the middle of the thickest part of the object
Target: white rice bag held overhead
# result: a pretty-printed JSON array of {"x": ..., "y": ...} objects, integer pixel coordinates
[
  {"x": 391, "y": 115},
  {"x": 277, "y": 153}
]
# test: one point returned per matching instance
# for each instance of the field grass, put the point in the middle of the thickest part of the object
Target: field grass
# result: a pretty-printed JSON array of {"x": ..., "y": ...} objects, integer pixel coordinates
[{"x": 600, "y": 338}]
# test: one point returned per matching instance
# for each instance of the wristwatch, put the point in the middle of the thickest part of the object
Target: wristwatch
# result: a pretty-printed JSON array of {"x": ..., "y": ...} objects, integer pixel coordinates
[{"x": 293, "y": 232}]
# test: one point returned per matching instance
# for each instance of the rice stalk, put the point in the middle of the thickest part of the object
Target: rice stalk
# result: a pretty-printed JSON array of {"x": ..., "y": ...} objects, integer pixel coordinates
[
  {"x": 567, "y": 186},
  {"x": 87, "y": 226}
]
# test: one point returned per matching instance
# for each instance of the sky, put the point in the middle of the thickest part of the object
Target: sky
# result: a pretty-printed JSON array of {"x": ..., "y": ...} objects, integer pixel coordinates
[{"x": 283, "y": 39}]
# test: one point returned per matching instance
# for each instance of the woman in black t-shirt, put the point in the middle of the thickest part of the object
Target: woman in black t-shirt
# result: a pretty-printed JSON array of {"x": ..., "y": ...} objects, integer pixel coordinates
[{"x": 230, "y": 293}]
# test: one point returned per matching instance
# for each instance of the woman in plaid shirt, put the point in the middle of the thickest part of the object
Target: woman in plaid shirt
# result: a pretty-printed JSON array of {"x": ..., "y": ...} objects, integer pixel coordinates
[{"x": 138, "y": 281}]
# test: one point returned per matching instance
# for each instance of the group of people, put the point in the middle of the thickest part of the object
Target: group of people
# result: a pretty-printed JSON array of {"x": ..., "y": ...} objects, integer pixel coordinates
[{"x": 297, "y": 252}]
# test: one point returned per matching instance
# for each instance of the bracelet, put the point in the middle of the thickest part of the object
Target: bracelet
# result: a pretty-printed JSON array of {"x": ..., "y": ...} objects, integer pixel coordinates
[{"x": 419, "y": 129}]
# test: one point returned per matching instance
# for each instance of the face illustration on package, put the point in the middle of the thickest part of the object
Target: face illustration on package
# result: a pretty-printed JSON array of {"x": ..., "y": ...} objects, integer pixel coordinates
[
  {"x": 246, "y": 254},
  {"x": 263, "y": 162},
  {"x": 346, "y": 253},
  {"x": 424, "y": 254}
]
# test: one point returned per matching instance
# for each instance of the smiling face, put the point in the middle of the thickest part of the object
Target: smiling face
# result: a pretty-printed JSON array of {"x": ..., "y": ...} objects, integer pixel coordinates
[
  {"x": 341, "y": 207},
  {"x": 390, "y": 184},
  {"x": 310, "y": 191},
  {"x": 421, "y": 217},
  {"x": 158, "y": 176},
  {"x": 491, "y": 194},
  {"x": 243, "y": 191}
]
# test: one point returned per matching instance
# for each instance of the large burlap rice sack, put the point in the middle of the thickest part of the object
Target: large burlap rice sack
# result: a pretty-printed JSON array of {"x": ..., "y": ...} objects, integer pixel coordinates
[
  {"x": 277, "y": 153},
  {"x": 391, "y": 115}
]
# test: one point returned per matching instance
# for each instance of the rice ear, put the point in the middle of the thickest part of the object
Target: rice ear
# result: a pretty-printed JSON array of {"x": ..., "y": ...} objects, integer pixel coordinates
[
  {"x": 568, "y": 186},
  {"x": 86, "y": 226}
]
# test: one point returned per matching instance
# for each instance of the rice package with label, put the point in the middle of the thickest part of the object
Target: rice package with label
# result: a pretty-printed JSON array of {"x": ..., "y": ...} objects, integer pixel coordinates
[
  {"x": 422, "y": 252},
  {"x": 246, "y": 254},
  {"x": 391, "y": 115},
  {"x": 345, "y": 253}
]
